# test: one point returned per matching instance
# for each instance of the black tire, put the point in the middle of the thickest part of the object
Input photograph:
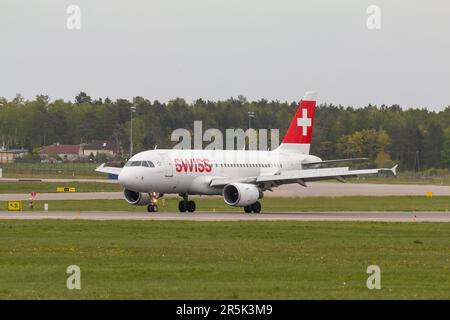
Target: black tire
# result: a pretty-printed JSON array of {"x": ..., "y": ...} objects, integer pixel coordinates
[
  {"x": 256, "y": 207},
  {"x": 247, "y": 209},
  {"x": 155, "y": 208},
  {"x": 182, "y": 206},
  {"x": 190, "y": 206},
  {"x": 150, "y": 208}
]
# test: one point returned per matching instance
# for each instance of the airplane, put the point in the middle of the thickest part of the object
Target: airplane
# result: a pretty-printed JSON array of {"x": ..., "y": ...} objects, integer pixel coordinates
[{"x": 240, "y": 176}]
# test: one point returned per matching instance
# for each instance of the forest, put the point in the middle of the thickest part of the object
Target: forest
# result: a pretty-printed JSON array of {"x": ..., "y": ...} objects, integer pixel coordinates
[{"x": 416, "y": 138}]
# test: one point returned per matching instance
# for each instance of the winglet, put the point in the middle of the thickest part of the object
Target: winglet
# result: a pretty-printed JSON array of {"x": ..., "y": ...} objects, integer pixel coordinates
[{"x": 394, "y": 169}]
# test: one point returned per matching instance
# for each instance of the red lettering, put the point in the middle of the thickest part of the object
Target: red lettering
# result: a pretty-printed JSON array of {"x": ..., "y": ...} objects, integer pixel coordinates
[
  {"x": 177, "y": 165},
  {"x": 208, "y": 166},
  {"x": 200, "y": 165},
  {"x": 184, "y": 165},
  {"x": 192, "y": 165}
]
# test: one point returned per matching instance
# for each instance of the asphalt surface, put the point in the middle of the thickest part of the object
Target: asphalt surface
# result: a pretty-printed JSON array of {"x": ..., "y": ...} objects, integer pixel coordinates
[
  {"x": 322, "y": 189},
  {"x": 233, "y": 216}
]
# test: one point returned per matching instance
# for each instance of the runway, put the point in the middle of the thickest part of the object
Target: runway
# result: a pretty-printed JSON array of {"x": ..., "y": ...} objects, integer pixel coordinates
[
  {"x": 234, "y": 216},
  {"x": 318, "y": 189}
]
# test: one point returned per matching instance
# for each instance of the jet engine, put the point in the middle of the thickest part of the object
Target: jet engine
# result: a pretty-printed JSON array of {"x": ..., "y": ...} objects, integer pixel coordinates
[
  {"x": 137, "y": 198},
  {"x": 241, "y": 194}
]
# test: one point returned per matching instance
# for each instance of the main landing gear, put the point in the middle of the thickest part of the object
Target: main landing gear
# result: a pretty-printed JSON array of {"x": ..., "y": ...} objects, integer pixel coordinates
[
  {"x": 255, "y": 208},
  {"x": 153, "y": 207},
  {"x": 186, "y": 205}
]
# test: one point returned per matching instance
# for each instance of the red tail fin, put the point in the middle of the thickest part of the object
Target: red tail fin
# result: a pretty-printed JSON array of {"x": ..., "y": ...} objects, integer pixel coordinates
[{"x": 298, "y": 136}]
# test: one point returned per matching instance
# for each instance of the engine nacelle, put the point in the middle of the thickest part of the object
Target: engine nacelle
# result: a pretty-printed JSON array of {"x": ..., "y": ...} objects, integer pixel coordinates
[
  {"x": 137, "y": 198},
  {"x": 241, "y": 194}
]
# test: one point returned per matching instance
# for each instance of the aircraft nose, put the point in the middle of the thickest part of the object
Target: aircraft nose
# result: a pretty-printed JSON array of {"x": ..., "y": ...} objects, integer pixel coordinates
[
  {"x": 130, "y": 179},
  {"x": 125, "y": 178}
]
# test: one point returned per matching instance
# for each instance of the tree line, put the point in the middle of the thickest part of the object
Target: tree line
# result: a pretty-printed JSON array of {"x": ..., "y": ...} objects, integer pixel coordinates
[{"x": 415, "y": 138}]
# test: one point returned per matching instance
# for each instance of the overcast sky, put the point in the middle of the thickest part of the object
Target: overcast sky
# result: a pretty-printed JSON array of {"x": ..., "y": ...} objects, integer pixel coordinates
[{"x": 215, "y": 49}]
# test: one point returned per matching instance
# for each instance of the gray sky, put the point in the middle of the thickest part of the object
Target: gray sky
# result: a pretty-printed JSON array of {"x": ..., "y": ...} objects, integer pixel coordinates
[{"x": 215, "y": 49}]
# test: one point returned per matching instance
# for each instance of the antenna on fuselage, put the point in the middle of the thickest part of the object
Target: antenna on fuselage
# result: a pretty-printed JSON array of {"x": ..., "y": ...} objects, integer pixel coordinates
[{"x": 156, "y": 146}]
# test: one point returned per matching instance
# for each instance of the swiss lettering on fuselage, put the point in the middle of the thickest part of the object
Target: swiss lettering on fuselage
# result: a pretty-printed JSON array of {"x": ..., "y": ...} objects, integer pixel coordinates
[{"x": 192, "y": 165}]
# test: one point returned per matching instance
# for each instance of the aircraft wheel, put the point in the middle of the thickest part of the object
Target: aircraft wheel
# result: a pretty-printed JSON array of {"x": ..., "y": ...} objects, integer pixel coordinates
[
  {"x": 152, "y": 208},
  {"x": 190, "y": 206},
  {"x": 247, "y": 209},
  {"x": 256, "y": 207},
  {"x": 182, "y": 206}
]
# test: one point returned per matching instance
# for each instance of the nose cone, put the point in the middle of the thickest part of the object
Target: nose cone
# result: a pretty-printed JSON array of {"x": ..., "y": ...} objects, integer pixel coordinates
[{"x": 129, "y": 179}]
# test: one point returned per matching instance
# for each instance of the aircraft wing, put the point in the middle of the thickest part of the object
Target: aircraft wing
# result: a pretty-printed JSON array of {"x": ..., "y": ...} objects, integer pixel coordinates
[
  {"x": 333, "y": 161},
  {"x": 111, "y": 170},
  {"x": 268, "y": 181},
  {"x": 221, "y": 182}
]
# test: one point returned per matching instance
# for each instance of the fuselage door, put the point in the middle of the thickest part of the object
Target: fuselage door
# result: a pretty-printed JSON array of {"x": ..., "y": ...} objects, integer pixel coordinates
[{"x": 167, "y": 165}]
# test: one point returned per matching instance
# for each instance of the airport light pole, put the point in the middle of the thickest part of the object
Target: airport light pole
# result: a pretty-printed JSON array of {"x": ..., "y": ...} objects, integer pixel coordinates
[{"x": 132, "y": 110}]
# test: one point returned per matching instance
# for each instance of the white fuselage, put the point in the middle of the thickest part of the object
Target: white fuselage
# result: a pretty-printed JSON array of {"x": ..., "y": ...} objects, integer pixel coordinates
[{"x": 191, "y": 171}]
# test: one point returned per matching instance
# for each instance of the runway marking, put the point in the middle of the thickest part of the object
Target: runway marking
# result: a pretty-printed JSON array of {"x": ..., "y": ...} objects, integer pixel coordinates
[{"x": 233, "y": 216}]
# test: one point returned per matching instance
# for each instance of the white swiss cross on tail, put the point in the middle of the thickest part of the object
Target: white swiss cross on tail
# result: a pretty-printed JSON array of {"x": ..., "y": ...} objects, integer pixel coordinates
[
  {"x": 299, "y": 134},
  {"x": 304, "y": 122}
]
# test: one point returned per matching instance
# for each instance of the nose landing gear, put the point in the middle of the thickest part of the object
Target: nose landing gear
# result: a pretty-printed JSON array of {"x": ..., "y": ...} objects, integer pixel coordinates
[
  {"x": 186, "y": 205},
  {"x": 153, "y": 207}
]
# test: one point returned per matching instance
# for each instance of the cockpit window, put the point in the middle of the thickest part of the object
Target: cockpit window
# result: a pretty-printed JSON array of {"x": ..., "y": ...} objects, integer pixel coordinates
[{"x": 148, "y": 164}]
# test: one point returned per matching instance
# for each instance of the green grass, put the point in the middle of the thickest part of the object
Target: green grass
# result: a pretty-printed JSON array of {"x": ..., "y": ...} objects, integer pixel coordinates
[
  {"x": 211, "y": 204},
  {"x": 50, "y": 170},
  {"x": 437, "y": 180},
  {"x": 223, "y": 260},
  {"x": 440, "y": 177},
  {"x": 41, "y": 187}
]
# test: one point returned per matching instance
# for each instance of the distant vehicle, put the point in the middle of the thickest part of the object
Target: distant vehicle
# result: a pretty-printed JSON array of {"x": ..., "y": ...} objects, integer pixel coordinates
[{"x": 240, "y": 176}]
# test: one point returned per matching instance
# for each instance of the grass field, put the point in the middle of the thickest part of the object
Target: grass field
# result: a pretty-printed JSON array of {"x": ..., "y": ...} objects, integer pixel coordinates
[
  {"x": 402, "y": 179},
  {"x": 41, "y": 187},
  {"x": 50, "y": 170},
  {"x": 223, "y": 260},
  {"x": 211, "y": 204}
]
